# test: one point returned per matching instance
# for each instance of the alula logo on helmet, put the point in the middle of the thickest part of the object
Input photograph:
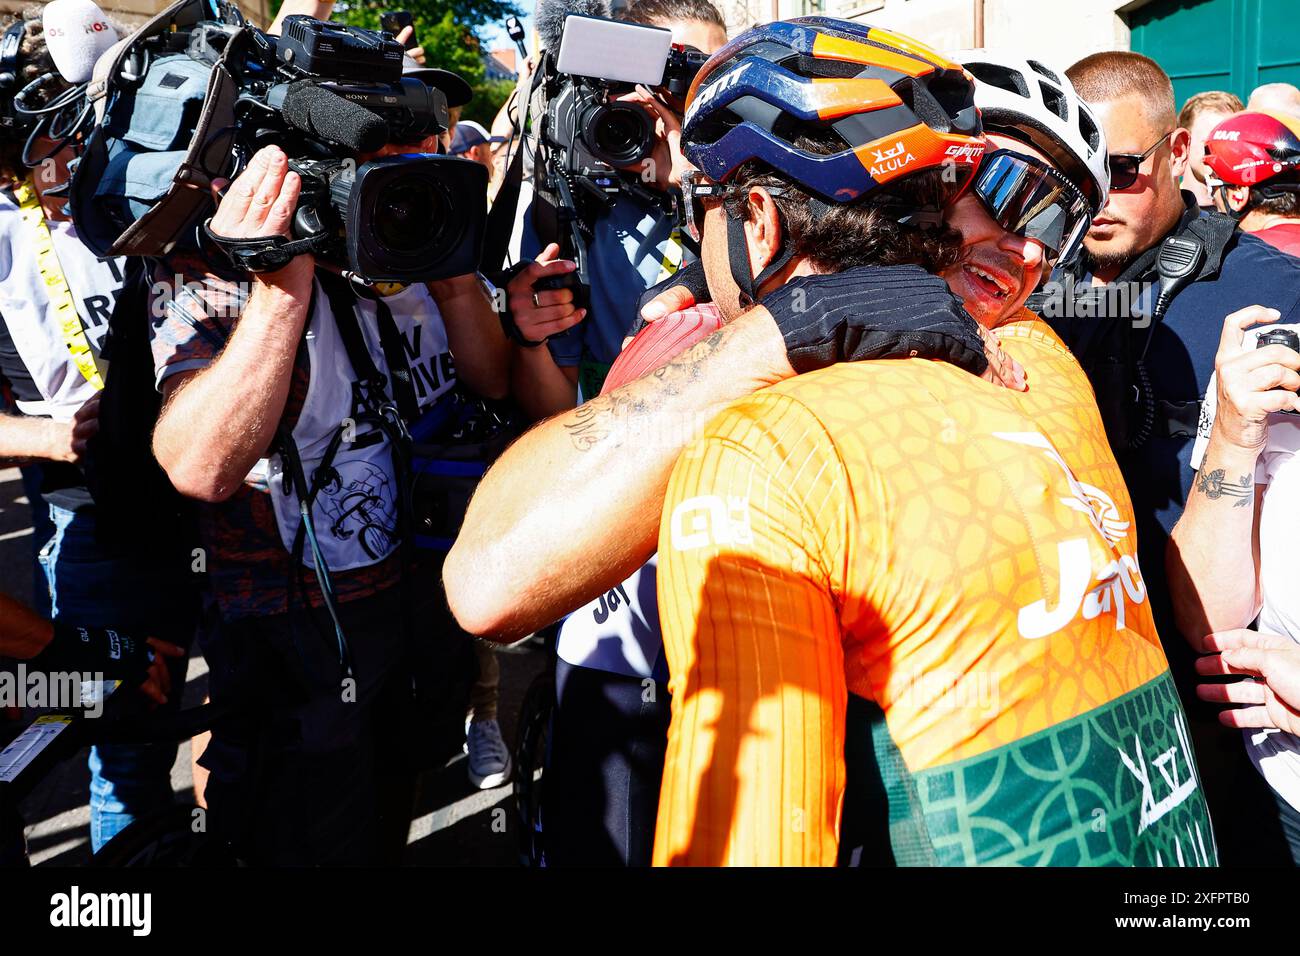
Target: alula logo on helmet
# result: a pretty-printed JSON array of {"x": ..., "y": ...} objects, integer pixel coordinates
[{"x": 890, "y": 160}]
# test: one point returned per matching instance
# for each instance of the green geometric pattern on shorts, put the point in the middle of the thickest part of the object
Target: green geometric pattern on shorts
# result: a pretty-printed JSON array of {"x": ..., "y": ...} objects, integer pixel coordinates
[{"x": 1070, "y": 795}]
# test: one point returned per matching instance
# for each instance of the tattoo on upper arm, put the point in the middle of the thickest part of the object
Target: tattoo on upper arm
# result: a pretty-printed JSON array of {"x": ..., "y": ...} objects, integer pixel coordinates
[
  {"x": 593, "y": 422},
  {"x": 1213, "y": 485}
]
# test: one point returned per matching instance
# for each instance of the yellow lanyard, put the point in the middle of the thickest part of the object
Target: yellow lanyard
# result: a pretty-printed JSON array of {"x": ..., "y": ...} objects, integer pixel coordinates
[
  {"x": 672, "y": 256},
  {"x": 56, "y": 286}
]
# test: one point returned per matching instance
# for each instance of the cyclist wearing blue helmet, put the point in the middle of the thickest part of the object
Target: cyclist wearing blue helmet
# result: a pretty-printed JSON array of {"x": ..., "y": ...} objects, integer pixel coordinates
[{"x": 819, "y": 119}]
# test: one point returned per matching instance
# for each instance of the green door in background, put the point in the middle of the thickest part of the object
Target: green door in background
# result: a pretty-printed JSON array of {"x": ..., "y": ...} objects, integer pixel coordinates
[{"x": 1232, "y": 45}]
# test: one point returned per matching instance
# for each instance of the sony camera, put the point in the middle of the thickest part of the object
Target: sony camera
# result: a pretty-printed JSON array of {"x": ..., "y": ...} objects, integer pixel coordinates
[
  {"x": 590, "y": 147},
  {"x": 326, "y": 93}
]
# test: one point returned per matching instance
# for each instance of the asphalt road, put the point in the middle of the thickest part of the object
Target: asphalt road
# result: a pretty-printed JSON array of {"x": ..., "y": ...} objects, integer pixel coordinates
[{"x": 453, "y": 824}]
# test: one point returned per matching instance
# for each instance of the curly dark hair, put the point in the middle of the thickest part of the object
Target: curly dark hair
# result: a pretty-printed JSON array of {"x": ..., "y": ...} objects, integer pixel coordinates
[{"x": 839, "y": 236}]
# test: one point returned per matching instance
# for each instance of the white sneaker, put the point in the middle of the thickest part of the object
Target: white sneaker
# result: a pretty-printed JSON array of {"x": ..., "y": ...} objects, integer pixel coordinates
[{"x": 489, "y": 760}]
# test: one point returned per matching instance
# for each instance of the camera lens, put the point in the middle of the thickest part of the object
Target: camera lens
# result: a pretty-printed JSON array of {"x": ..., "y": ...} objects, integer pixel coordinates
[
  {"x": 1279, "y": 337},
  {"x": 620, "y": 134},
  {"x": 413, "y": 218},
  {"x": 410, "y": 215}
]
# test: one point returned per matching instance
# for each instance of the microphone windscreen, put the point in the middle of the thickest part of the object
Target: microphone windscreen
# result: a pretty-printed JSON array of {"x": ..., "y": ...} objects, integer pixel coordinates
[
  {"x": 326, "y": 115},
  {"x": 550, "y": 14},
  {"x": 77, "y": 33}
]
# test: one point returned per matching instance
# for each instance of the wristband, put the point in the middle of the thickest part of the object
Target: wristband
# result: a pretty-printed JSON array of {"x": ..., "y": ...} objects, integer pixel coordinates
[
  {"x": 103, "y": 650},
  {"x": 690, "y": 277},
  {"x": 508, "y": 324}
]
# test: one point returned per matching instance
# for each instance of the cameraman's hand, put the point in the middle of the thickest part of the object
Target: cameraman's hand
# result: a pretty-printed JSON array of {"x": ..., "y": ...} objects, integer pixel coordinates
[
  {"x": 85, "y": 425},
  {"x": 416, "y": 53},
  {"x": 540, "y": 314},
  {"x": 157, "y": 684},
  {"x": 261, "y": 202},
  {"x": 664, "y": 166},
  {"x": 1252, "y": 382}
]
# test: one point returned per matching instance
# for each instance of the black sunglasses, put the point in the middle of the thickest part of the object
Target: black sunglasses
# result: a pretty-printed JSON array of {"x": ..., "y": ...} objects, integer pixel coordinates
[{"x": 1124, "y": 167}]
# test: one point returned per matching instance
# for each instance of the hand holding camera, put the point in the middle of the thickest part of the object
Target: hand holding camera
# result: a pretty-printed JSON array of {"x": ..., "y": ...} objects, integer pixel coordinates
[
  {"x": 1253, "y": 382},
  {"x": 539, "y": 313},
  {"x": 665, "y": 161},
  {"x": 260, "y": 203}
]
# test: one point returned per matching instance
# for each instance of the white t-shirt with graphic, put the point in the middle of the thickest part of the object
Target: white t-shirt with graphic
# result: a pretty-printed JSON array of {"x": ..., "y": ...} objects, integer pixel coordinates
[{"x": 25, "y": 304}]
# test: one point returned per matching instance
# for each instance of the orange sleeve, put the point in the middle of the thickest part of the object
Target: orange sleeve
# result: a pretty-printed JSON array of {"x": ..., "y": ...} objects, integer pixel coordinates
[{"x": 751, "y": 557}]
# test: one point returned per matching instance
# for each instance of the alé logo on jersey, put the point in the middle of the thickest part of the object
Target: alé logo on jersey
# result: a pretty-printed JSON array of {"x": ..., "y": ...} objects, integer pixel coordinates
[
  {"x": 710, "y": 520},
  {"x": 1080, "y": 591}
]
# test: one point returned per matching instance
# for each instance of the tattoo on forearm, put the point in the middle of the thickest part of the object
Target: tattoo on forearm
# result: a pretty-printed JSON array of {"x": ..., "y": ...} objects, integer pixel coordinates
[
  {"x": 1213, "y": 485},
  {"x": 594, "y": 421}
]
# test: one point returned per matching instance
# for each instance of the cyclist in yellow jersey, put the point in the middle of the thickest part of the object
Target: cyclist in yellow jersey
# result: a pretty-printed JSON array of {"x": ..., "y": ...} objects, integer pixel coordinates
[{"x": 902, "y": 605}]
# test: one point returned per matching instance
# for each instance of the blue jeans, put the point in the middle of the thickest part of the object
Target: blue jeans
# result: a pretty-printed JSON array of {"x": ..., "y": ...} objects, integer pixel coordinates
[{"x": 96, "y": 588}]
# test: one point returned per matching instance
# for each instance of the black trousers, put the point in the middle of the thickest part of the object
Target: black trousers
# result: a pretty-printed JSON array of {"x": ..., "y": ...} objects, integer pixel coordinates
[
  {"x": 601, "y": 794},
  {"x": 311, "y": 770}
]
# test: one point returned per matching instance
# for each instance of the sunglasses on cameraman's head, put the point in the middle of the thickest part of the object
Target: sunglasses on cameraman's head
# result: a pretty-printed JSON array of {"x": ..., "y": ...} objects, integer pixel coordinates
[{"x": 1125, "y": 167}]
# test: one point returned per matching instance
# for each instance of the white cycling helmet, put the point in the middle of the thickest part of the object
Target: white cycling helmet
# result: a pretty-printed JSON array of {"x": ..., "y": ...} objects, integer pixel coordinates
[{"x": 1024, "y": 98}]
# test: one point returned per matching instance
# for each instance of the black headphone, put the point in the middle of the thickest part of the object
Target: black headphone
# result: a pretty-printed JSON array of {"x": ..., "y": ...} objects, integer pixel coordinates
[{"x": 10, "y": 45}]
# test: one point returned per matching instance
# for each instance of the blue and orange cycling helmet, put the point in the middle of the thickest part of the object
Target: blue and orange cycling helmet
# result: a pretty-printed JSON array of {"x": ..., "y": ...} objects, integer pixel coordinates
[{"x": 899, "y": 108}]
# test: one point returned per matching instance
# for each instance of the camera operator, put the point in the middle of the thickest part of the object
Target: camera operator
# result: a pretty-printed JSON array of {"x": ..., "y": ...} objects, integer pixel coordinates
[
  {"x": 316, "y": 775},
  {"x": 55, "y": 300},
  {"x": 634, "y": 246}
]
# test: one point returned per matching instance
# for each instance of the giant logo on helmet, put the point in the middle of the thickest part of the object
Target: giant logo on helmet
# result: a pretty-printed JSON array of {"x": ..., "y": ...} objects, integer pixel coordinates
[
  {"x": 705, "y": 97},
  {"x": 965, "y": 153}
]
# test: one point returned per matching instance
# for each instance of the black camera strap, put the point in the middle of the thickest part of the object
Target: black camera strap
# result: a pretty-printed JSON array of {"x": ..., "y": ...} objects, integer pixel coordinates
[
  {"x": 260, "y": 253},
  {"x": 390, "y": 416},
  {"x": 399, "y": 370},
  {"x": 501, "y": 217},
  {"x": 377, "y": 411}
]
